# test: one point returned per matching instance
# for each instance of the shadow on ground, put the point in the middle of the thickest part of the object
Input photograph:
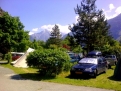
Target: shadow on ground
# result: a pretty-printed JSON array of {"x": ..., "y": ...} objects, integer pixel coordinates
[
  {"x": 113, "y": 78},
  {"x": 84, "y": 77},
  {"x": 39, "y": 77},
  {"x": 31, "y": 76}
]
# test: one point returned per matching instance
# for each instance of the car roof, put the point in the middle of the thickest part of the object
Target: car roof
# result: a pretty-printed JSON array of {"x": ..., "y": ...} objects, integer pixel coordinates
[
  {"x": 94, "y": 53},
  {"x": 17, "y": 52}
]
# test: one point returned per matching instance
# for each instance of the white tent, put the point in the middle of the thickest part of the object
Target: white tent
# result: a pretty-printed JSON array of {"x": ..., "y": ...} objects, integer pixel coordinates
[{"x": 21, "y": 62}]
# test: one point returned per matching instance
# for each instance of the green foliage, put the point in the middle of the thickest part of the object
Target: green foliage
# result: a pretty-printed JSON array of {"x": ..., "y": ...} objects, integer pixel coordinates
[
  {"x": 12, "y": 34},
  {"x": 62, "y": 49},
  {"x": 8, "y": 57},
  {"x": 112, "y": 47},
  {"x": 92, "y": 30},
  {"x": 52, "y": 46},
  {"x": 77, "y": 49},
  {"x": 70, "y": 44},
  {"x": 49, "y": 61},
  {"x": 37, "y": 44}
]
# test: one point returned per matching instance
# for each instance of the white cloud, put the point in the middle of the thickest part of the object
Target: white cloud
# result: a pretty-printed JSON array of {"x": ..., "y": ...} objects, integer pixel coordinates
[
  {"x": 111, "y": 6},
  {"x": 76, "y": 18},
  {"x": 47, "y": 27},
  {"x": 34, "y": 30},
  {"x": 63, "y": 29},
  {"x": 118, "y": 10},
  {"x": 112, "y": 12},
  {"x": 30, "y": 33}
]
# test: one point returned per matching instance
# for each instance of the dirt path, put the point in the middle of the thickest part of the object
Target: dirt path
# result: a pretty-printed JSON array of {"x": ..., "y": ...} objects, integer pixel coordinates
[{"x": 9, "y": 81}]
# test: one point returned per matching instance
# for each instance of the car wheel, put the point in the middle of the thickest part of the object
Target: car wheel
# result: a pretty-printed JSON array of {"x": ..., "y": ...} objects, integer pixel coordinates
[
  {"x": 95, "y": 74},
  {"x": 109, "y": 66},
  {"x": 105, "y": 69}
]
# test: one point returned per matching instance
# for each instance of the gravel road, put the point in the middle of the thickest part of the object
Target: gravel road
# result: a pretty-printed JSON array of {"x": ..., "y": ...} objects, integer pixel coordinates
[{"x": 9, "y": 81}]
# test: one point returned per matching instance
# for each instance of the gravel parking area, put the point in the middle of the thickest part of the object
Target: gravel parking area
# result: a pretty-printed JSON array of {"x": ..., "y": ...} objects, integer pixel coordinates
[{"x": 9, "y": 81}]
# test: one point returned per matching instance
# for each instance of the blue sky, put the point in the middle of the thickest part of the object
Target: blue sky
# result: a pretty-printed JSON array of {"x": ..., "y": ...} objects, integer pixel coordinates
[{"x": 37, "y": 15}]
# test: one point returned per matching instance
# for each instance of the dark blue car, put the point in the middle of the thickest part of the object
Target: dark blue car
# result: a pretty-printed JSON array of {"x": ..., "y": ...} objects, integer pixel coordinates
[{"x": 89, "y": 66}]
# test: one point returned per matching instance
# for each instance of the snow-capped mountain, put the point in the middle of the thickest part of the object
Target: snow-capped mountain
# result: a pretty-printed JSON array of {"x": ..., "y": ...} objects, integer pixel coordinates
[{"x": 43, "y": 35}]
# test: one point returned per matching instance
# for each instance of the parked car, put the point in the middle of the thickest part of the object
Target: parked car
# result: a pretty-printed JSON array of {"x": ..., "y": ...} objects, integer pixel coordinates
[
  {"x": 89, "y": 66},
  {"x": 111, "y": 60},
  {"x": 75, "y": 58}
]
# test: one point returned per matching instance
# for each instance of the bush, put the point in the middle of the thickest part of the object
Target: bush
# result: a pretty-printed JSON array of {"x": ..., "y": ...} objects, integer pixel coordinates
[
  {"x": 8, "y": 57},
  {"x": 49, "y": 61}
]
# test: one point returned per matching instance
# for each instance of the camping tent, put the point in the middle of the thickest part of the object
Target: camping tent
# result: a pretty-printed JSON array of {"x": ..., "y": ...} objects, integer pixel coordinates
[{"x": 21, "y": 62}]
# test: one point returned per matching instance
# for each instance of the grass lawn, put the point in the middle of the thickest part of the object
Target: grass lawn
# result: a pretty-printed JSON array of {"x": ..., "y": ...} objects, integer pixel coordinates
[{"x": 102, "y": 81}]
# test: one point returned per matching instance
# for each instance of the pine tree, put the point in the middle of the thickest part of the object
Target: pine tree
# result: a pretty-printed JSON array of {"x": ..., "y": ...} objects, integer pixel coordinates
[
  {"x": 92, "y": 29},
  {"x": 55, "y": 36}
]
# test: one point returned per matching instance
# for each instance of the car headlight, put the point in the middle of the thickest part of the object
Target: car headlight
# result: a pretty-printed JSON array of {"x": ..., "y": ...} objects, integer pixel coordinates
[{"x": 88, "y": 69}]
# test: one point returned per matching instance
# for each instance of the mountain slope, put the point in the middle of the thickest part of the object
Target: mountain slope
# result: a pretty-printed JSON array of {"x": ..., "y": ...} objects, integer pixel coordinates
[
  {"x": 43, "y": 35},
  {"x": 115, "y": 28}
]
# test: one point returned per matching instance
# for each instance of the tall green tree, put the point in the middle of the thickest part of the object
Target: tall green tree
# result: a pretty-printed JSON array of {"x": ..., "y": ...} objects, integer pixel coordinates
[
  {"x": 70, "y": 43},
  {"x": 12, "y": 34},
  {"x": 55, "y": 37},
  {"x": 37, "y": 44},
  {"x": 92, "y": 30}
]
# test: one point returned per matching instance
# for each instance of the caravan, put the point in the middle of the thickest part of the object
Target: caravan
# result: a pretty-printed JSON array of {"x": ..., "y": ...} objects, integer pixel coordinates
[
  {"x": 21, "y": 62},
  {"x": 16, "y": 55}
]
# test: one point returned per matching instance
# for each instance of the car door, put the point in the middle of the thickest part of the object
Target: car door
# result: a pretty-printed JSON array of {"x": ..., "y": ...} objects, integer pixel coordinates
[
  {"x": 110, "y": 59},
  {"x": 100, "y": 65}
]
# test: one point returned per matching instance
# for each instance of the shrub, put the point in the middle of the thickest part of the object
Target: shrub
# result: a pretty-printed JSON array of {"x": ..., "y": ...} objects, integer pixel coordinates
[
  {"x": 49, "y": 61},
  {"x": 8, "y": 57}
]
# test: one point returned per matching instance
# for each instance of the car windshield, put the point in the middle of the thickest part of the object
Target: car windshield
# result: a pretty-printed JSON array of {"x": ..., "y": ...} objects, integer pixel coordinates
[
  {"x": 72, "y": 57},
  {"x": 88, "y": 60}
]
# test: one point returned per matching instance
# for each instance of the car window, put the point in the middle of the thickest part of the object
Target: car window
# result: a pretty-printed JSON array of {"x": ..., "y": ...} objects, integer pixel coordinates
[
  {"x": 114, "y": 56},
  {"x": 104, "y": 60},
  {"x": 100, "y": 60},
  {"x": 73, "y": 57},
  {"x": 109, "y": 56}
]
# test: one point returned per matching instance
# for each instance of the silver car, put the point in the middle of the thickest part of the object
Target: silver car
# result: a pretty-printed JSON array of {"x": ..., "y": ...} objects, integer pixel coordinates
[{"x": 111, "y": 60}]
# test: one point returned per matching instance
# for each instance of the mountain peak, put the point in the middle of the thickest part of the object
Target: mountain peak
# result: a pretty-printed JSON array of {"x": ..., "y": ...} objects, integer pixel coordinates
[{"x": 43, "y": 35}]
